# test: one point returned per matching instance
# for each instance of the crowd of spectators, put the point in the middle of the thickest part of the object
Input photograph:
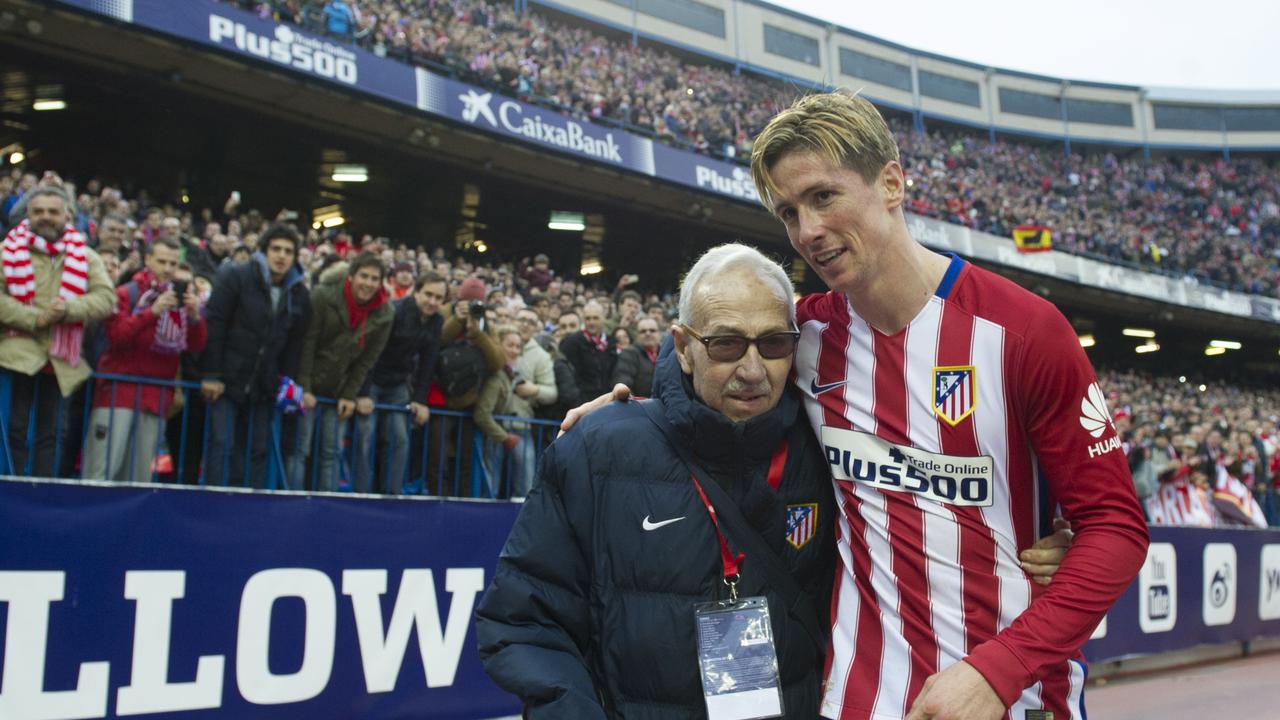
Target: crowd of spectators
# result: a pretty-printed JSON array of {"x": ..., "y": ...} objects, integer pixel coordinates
[
  {"x": 1208, "y": 219},
  {"x": 371, "y": 336},
  {"x": 355, "y": 339},
  {"x": 1201, "y": 454}
]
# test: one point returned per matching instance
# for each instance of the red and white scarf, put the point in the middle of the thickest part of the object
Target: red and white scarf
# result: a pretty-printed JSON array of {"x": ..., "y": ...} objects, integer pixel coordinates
[
  {"x": 601, "y": 343},
  {"x": 20, "y": 279}
]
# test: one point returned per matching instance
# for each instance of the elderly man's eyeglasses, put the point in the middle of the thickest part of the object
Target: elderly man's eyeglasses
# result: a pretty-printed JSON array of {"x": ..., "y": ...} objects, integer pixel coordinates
[{"x": 731, "y": 348}]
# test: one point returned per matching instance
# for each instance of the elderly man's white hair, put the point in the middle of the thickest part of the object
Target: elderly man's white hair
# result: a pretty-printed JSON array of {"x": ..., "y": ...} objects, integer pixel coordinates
[{"x": 736, "y": 256}]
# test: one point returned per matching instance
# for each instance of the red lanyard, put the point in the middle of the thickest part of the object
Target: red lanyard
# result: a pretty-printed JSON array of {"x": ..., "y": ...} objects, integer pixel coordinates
[{"x": 732, "y": 562}]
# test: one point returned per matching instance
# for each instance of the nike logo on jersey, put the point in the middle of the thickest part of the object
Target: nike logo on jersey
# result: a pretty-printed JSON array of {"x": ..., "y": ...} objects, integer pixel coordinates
[
  {"x": 817, "y": 389},
  {"x": 648, "y": 524}
]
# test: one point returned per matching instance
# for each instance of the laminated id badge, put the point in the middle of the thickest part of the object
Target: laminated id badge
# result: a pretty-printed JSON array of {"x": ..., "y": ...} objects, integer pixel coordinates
[{"x": 738, "y": 660}]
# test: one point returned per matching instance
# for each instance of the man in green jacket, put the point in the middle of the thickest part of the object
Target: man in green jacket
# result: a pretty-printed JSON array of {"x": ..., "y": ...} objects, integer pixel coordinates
[
  {"x": 53, "y": 285},
  {"x": 350, "y": 323}
]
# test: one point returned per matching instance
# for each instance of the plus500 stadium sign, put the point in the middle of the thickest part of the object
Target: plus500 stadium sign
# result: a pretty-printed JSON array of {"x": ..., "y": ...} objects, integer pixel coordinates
[{"x": 288, "y": 48}]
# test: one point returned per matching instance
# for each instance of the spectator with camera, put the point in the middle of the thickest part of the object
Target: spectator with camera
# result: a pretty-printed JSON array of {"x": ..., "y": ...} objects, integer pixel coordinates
[
  {"x": 469, "y": 354},
  {"x": 470, "y": 351},
  {"x": 257, "y": 317},
  {"x": 349, "y": 327},
  {"x": 54, "y": 284},
  {"x": 156, "y": 320},
  {"x": 401, "y": 377}
]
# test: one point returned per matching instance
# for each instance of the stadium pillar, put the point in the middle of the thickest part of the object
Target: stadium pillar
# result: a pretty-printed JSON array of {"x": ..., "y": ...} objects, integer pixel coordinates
[
  {"x": 635, "y": 21},
  {"x": 1226, "y": 144}
]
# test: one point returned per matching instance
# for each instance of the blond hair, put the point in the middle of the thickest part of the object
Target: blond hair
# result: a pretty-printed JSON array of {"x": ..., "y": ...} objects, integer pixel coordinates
[{"x": 839, "y": 126}]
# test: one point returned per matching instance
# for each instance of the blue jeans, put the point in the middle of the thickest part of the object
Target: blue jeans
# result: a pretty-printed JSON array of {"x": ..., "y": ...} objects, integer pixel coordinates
[
  {"x": 238, "y": 434},
  {"x": 522, "y": 465},
  {"x": 329, "y": 440},
  {"x": 389, "y": 429}
]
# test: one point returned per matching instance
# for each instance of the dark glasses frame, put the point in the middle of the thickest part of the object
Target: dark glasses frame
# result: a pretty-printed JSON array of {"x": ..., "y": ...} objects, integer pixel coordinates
[{"x": 731, "y": 348}]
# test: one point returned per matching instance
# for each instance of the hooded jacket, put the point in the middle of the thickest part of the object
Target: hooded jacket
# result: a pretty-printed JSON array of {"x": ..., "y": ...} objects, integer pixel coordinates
[
  {"x": 591, "y": 614},
  {"x": 251, "y": 343},
  {"x": 335, "y": 356}
]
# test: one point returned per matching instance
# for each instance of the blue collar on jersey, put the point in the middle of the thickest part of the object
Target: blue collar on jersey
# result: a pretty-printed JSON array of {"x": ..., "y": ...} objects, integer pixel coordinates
[{"x": 949, "y": 279}]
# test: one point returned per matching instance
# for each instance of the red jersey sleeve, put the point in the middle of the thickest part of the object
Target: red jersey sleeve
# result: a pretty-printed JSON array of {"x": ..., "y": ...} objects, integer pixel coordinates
[{"x": 1079, "y": 454}]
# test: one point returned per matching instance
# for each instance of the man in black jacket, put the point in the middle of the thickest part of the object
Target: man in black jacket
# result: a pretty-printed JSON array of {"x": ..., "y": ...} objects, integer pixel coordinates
[
  {"x": 637, "y": 361},
  {"x": 401, "y": 377},
  {"x": 590, "y": 352},
  {"x": 591, "y": 610},
  {"x": 257, "y": 316}
]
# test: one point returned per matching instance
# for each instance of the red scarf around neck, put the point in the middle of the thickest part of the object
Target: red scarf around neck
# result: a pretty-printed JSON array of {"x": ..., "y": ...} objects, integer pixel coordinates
[
  {"x": 360, "y": 313},
  {"x": 601, "y": 343},
  {"x": 20, "y": 279}
]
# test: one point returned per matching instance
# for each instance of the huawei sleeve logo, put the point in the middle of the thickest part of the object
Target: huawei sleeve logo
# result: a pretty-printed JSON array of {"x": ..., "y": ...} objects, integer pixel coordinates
[{"x": 1094, "y": 416}]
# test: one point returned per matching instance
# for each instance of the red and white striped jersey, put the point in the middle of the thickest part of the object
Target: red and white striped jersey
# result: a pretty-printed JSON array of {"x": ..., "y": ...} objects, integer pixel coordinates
[{"x": 944, "y": 442}]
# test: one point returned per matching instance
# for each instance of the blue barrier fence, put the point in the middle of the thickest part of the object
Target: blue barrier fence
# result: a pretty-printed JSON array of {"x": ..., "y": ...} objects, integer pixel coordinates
[{"x": 127, "y": 428}]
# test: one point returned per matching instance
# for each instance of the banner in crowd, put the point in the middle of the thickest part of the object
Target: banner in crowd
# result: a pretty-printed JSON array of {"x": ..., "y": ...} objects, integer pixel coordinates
[
  {"x": 122, "y": 600},
  {"x": 1197, "y": 587},
  {"x": 339, "y": 62}
]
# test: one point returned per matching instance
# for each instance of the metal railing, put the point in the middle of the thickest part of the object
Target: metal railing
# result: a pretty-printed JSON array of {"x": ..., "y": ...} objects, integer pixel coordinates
[{"x": 126, "y": 428}]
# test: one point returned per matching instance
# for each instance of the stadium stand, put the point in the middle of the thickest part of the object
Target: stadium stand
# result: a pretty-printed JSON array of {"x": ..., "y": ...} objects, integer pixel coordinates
[{"x": 1208, "y": 219}]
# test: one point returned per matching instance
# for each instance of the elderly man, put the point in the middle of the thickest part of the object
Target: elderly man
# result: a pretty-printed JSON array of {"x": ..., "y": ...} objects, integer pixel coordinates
[
  {"x": 54, "y": 284},
  {"x": 591, "y": 613},
  {"x": 963, "y": 391}
]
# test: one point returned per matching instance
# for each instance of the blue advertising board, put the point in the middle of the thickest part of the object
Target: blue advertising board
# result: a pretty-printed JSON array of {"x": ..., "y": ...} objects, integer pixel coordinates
[
  {"x": 121, "y": 600},
  {"x": 331, "y": 61},
  {"x": 1197, "y": 587},
  {"x": 195, "y": 602}
]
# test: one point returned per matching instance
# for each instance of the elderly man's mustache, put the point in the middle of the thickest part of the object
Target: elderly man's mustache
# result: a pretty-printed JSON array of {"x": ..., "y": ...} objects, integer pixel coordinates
[{"x": 737, "y": 387}]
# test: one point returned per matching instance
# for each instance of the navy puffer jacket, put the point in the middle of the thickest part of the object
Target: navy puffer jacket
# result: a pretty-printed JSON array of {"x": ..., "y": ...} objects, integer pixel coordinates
[{"x": 589, "y": 615}]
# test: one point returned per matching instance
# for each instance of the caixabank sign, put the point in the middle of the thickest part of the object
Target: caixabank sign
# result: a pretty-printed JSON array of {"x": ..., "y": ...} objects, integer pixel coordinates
[{"x": 132, "y": 600}]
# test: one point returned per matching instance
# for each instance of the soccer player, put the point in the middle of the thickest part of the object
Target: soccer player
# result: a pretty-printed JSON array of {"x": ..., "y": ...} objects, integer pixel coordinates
[{"x": 954, "y": 408}]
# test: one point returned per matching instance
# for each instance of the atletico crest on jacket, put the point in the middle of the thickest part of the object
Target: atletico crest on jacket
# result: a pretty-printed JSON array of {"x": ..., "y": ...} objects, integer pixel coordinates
[
  {"x": 801, "y": 521},
  {"x": 954, "y": 392}
]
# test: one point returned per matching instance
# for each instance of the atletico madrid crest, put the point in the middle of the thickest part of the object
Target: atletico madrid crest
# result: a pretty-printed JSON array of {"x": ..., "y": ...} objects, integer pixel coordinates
[
  {"x": 802, "y": 520},
  {"x": 954, "y": 392}
]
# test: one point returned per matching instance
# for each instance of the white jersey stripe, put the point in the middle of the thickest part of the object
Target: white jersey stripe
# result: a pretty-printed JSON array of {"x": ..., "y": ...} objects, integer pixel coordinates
[
  {"x": 859, "y": 394},
  {"x": 991, "y": 426},
  {"x": 860, "y": 400},
  {"x": 895, "y": 656},
  {"x": 941, "y": 532}
]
